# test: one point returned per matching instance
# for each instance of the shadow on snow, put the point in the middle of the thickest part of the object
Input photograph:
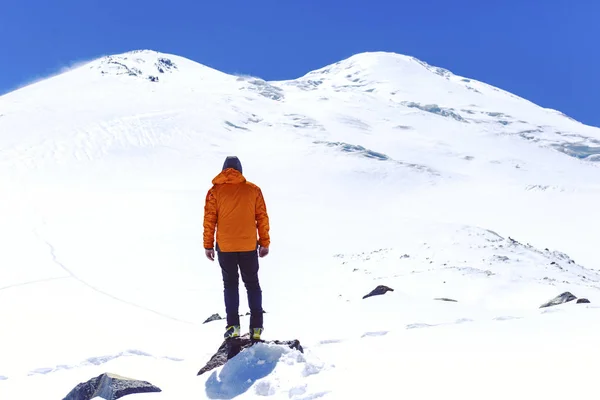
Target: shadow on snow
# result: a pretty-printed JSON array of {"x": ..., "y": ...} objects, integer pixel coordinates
[{"x": 243, "y": 370}]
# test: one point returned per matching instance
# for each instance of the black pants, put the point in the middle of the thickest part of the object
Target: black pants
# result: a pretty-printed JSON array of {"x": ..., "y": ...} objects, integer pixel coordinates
[{"x": 247, "y": 262}]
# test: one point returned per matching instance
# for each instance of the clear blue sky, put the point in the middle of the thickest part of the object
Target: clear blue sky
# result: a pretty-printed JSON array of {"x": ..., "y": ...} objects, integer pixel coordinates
[{"x": 544, "y": 50}]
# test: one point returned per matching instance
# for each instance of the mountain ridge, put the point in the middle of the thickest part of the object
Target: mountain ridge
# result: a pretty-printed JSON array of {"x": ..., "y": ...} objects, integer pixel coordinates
[
  {"x": 361, "y": 102},
  {"x": 367, "y": 57}
]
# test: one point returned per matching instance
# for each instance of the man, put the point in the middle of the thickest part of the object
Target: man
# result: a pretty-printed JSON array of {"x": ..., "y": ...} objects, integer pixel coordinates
[{"x": 236, "y": 208}]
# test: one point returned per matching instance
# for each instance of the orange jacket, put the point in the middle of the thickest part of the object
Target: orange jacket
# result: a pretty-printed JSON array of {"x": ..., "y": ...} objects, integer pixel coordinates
[{"x": 236, "y": 208}]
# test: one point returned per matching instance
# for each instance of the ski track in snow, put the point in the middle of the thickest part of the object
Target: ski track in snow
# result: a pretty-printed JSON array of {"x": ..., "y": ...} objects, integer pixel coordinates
[
  {"x": 100, "y": 291},
  {"x": 95, "y": 361},
  {"x": 16, "y": 285},
  {"x": 373, "y": 334},
  {"x": 330, "y": 341},
  {"x": 506, "y": 318},
  {"x": 420, "y": 325},
  {"x": 313, "y": 396}
]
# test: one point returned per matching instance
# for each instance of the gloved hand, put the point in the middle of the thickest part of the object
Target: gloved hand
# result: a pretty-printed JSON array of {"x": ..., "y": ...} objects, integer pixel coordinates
[
  {"x": 263, "y": 251},
  {"x": 210, "y": 254}
]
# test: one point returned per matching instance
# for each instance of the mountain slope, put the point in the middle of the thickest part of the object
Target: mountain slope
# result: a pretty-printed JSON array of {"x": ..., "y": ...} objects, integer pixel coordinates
[
  {"x": 379, "y": 169},
  {"x": 385, "y": 90}
]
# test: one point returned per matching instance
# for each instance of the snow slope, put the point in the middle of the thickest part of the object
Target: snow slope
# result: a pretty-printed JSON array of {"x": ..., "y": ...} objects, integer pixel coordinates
[{"x": 379, "y": 169}]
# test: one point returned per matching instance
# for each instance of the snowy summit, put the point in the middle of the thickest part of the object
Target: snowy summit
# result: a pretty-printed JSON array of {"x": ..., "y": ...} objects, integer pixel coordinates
[{"x": 469, "y": 207}]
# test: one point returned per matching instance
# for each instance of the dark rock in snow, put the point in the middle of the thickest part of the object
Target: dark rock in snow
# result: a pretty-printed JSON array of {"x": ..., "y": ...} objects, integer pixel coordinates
[
  {"x": 562, "y": 298},
  {"x": 248, "y": 313},
  {"x": 166, "y": 63},
  {"x": 153, "y": 78},
  {"x": 435, "y": 109},
  {"x": 109, "y": 387},
  {"x": 583, "y": 301},
  {"x": 217, "y": 317},
  {"x": 214, "y": 317},
  {"x": 446, "y": 299},
  {"x": 379, "y": 290},
  {"x": 232, "y": 347}
]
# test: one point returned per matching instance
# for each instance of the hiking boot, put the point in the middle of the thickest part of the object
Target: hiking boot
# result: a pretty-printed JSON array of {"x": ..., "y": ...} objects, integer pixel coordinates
[
  {"x": 255, "y": 333},
  {"x": 232, "y": 332}
]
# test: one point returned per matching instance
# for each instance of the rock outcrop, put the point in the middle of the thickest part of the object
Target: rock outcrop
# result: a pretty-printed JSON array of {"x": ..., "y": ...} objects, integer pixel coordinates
[
  {"x": 232, "y": 347},
  {"x": 214, "y": 317},
  {"x": 379, "y": 290},
  {"x": 560, "y": 299},
  {"x": 217, "y": 317},
  {"x": 109, "y": 387}
]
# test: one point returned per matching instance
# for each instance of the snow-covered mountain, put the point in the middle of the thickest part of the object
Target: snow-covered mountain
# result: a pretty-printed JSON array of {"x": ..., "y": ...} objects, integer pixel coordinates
[{"x": 379, "y": 169}]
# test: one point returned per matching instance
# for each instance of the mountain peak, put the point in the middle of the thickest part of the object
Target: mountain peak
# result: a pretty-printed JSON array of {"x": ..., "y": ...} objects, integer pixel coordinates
[
  {"x": 383, "y": 63},
  {"x": 145, "y": 64}
]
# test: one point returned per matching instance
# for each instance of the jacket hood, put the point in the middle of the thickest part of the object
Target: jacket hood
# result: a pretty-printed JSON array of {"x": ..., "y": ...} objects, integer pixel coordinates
[
  {"x": 229, "y": 175},
  {"x": 233, "y": 162}
]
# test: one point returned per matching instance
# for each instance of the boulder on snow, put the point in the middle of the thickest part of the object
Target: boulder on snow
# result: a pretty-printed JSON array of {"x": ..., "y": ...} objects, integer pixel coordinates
[
  {"x": 214, "y": 317},
  {"x": 249, "y": 313},
  {"x": 560, "y": 299},
  {"x": 217, "y": 317},
  {"x": 232, "y": 347},
  {"x": 109, "y": 387},
  {"x": 583, "y": 301},
  {"x": 446, "y": 299},
  {"x": 379, "y": 290}
]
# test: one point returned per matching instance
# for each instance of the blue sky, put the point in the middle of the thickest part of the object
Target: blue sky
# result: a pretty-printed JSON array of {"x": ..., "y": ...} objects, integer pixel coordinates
[{"x": 546, "y": 51}]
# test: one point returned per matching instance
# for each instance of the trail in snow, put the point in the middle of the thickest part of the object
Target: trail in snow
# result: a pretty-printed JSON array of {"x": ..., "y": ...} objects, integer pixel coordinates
[
  {"x": 100, "y": 291},
  {"x": 33, "y": 282},
  {"x": 99, "y": 361}
]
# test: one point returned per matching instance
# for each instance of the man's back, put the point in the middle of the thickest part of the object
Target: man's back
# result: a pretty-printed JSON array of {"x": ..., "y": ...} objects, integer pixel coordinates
[{"x": 236, "y": 208}]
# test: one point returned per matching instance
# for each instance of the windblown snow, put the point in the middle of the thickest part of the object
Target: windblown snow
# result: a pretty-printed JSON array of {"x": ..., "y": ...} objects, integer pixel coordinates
[{"x": 474, "y": 205}]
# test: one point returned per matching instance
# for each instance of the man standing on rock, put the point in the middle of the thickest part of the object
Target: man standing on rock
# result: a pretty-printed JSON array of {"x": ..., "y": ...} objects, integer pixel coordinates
[{"x": 236, "y": 208}]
